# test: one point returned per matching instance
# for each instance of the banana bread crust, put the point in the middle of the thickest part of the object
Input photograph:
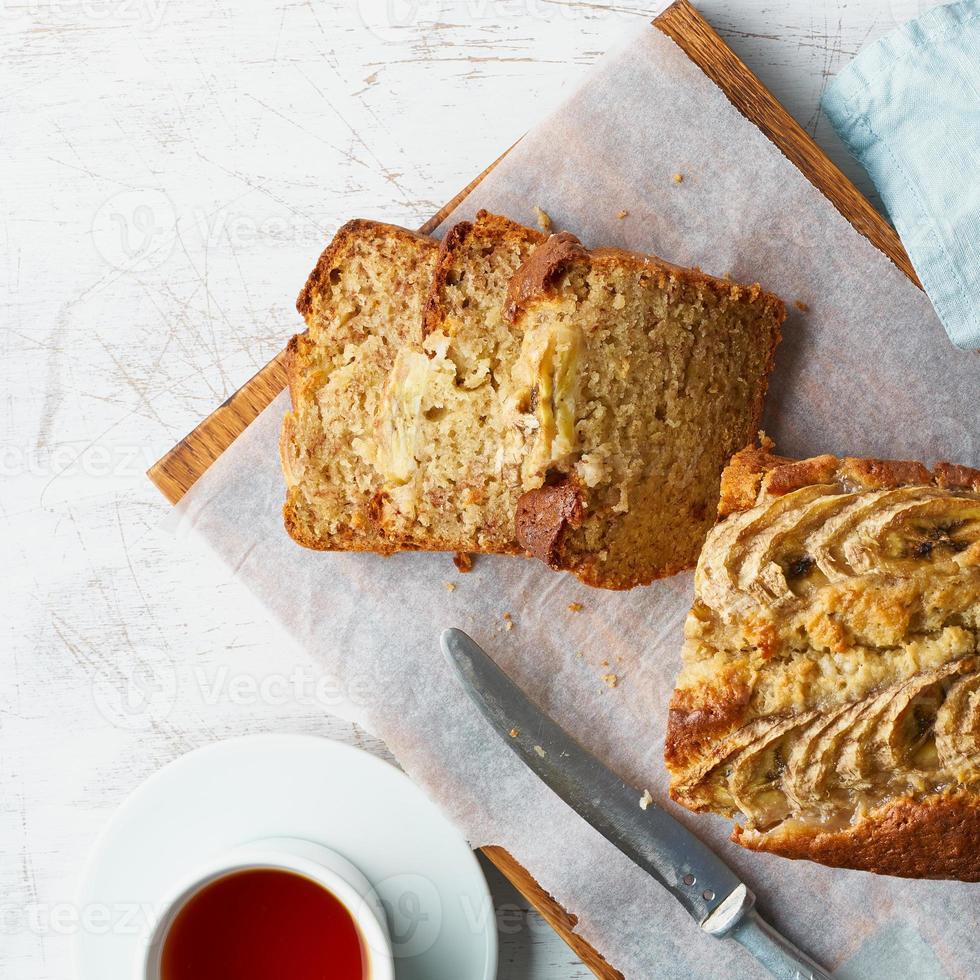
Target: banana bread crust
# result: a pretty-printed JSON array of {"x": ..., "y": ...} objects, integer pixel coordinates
[
  {"x": 897, "y": 626},
  {"x": 757, "y": 471},
  {"x": 935, "y": 837}
]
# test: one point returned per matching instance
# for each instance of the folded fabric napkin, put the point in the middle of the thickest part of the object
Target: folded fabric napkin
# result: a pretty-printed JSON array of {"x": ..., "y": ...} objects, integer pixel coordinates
[{"x": 908, "y": 107}]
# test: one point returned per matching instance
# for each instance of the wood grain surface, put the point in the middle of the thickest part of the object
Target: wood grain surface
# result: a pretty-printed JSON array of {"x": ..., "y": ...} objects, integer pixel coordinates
[
  {"x": 176, "y": 471},
  {"x": 695, "y": 36}
]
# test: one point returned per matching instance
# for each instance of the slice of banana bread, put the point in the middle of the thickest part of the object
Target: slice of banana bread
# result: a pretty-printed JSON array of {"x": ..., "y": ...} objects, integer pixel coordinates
[
  {"x": 829, "y": 697},
  {"x": 636, "y": 381},
  {"x": 362, "y": 303},
  {"x": 448, "y": 450}
]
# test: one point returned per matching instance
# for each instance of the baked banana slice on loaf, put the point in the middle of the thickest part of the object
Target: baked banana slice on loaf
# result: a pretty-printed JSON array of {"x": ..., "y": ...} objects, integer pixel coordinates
[
  {"x": 829, "y": 697},
  {"x": 362, "y": 303},
  {"x": 636, "y": 382}
]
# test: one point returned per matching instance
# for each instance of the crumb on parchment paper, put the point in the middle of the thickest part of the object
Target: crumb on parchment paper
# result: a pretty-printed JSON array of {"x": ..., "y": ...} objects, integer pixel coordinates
[
  {"x": 544, "y": 219},
  {"x": 610, "y": 680},
  {"x": 463, "y": 561},
  {"x": 450, "y": 586},
  {"x": 801, "y": 306},
  {"x": 646, "y": 799},
  {"x": 575, "y": 607},
  {"x": 678, "y": 178},
  {"x": 623, "y": 214}
]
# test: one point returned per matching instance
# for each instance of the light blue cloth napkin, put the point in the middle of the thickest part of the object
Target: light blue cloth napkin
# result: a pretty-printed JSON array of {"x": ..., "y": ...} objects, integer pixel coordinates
[{"x": 909, "y": 109}]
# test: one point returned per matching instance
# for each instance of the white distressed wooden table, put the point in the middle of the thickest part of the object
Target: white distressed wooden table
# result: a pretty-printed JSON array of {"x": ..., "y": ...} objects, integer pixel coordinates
[{"x": 169, "y": 169}]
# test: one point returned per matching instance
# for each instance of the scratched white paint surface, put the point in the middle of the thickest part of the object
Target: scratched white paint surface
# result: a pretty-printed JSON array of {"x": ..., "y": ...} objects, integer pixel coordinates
[{"x": 169, "y": 170}]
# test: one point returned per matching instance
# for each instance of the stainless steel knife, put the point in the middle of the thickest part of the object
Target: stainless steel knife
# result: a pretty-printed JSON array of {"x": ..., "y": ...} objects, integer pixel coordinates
[{"x": 710, "y": 891}]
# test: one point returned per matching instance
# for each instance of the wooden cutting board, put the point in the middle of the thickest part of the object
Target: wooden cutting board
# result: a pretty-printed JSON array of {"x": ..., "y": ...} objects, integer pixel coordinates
[{"x": 177, "y": 471}]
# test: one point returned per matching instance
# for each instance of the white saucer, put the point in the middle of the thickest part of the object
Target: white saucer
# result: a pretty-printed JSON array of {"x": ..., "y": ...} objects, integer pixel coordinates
[{"x": 439, "y": 909}]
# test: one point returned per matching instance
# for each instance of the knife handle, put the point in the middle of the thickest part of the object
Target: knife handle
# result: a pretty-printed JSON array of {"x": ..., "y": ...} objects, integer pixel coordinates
[
  {"x": 774, "y": 951},
  {"x": 736, "y": 918}
]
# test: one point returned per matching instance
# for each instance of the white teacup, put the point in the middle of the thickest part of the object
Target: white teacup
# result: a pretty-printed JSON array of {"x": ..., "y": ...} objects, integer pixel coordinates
[{"x": 327, "y": 868}]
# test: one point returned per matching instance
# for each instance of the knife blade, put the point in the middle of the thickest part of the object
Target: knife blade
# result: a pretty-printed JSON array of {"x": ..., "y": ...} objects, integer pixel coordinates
[{"x": 705, "y": 886}]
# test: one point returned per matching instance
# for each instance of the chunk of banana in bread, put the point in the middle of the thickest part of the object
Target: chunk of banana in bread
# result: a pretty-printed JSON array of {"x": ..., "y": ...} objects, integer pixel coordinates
[{"x": 829, "y": 697}]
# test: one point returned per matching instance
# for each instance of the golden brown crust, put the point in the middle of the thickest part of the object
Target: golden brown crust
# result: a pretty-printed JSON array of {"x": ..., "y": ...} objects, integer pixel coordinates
[
  {"x": 756, "y": 472},
  {"x": 692, "y": 722},
  {"x": 537, "y": 277},
  {"x": 951, "y": 476},
  {"x": 742, "y": 478},
  {"x": 340, "y": 245},
  {"x": 800, "y": 473},
  {"x": 936, "y": 837},
  {"x": 882, "y": 474},
  {"x": 544, "y": 515}
]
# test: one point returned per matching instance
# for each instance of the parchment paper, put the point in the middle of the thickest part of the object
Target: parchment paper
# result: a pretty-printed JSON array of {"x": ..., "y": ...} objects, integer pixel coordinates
[{"x": 868, "y": 370}]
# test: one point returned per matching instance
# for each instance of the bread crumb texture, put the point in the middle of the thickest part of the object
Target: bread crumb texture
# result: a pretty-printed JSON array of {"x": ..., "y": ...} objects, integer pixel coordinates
[
  {"x": 507, "y": 393},
  {"x": 829, "y": 697}
]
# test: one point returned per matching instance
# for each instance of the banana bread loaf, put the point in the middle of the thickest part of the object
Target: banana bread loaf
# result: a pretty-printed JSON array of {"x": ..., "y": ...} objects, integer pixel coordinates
[{"x": 829, "y": 697}]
